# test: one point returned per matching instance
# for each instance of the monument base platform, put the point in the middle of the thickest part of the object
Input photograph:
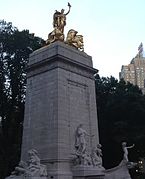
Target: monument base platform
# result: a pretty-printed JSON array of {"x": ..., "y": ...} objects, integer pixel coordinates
[
  {"x": 88, "y": 172},
  {"x": 24, "y": 177},
  {"x": 59, "y": 175}
]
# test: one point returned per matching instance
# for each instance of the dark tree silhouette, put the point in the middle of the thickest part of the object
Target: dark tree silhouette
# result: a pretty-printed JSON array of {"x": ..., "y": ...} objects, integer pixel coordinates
[
  {"x": 15, "y": 47},
  {"x": 121, "y": 111}
]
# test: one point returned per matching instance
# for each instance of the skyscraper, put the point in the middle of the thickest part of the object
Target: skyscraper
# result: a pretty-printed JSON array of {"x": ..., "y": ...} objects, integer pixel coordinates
[{"x": 135, "y": 71}]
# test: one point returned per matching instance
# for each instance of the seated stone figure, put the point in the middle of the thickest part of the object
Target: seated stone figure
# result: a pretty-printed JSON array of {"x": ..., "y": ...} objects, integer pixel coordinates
[
  {"x": 97, "y": 156},
  {"x": 83, "y": 159},
  {"x": 35, "y": 168},
  {"x": 21, "y": 169},
  {"x": 31, "y": 168}
]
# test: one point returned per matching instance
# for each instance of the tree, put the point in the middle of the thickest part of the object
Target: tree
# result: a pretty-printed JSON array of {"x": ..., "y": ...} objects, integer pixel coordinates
[
  {"x": 121, "y": 111},
  {"x": 15, "y": 47}
]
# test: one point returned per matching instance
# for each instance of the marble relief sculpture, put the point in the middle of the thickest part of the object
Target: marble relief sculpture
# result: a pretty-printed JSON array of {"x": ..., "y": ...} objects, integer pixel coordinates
[
  {"x": 80, "y": 139},
  {"x": 31, "y": 168},
  {"x": 97, "y": 156},
  {"x": 125, "y": 150},
  {"x": 82, "y": 156}
]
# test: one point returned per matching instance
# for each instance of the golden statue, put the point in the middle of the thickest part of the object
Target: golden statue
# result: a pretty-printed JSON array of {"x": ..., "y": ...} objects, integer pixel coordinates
[
  {"x": 55, "y": 35},
  {"x": 59, "y": 21},
  {"x": 75, "y": 40}
]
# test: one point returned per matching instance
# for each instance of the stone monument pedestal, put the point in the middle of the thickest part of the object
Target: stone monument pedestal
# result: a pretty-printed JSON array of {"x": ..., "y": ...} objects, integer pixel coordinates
[{"x": 60, "y": 96}]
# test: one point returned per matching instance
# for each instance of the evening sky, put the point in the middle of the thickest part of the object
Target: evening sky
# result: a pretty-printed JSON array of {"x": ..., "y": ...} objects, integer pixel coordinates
[{"x": 112, "y": 29}]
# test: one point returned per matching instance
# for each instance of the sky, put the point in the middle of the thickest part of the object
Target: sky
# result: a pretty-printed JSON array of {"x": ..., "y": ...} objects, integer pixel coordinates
[{"x": 112, "y": 29}]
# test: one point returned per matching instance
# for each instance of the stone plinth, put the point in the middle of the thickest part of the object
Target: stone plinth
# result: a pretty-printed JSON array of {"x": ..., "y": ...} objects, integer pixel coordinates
[
  {"x": 60, "y": 95},
  {"x": 88, "y": 172},
  {"x": 24, "y": 177}
]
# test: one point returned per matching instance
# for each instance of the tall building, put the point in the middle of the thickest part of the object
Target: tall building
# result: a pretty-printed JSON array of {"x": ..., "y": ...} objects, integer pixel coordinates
[{"x": 135, "y": 71}]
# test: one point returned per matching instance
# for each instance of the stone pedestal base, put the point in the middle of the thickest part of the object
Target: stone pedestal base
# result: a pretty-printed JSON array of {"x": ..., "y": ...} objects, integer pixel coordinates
[
  {"x": 88, "y": 172},
  {"x": 59, "y": 175},
  {"x": 23, "y": 177}
]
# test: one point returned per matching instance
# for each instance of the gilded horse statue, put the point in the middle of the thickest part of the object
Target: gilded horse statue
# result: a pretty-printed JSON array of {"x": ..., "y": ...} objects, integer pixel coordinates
[{"x": 75, "y": 40}]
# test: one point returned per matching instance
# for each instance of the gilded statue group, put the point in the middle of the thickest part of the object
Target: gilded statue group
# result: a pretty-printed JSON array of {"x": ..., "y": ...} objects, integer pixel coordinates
[{"x": 59, "y": 22}]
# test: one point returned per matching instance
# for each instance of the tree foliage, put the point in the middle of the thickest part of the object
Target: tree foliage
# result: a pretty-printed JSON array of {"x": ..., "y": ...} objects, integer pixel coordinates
[
  {"x": 121, "y": 111},
  {"x": 15, "y": 47}
]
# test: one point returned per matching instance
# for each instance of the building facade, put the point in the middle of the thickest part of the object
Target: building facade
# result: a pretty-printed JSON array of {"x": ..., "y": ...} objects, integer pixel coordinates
[{"x": 135, "y": 71}]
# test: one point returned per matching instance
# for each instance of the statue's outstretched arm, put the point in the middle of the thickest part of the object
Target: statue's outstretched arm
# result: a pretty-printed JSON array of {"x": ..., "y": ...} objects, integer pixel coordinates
[
  {"x": 129, "y": 147},
  {"x": 69, "y": 8}
]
